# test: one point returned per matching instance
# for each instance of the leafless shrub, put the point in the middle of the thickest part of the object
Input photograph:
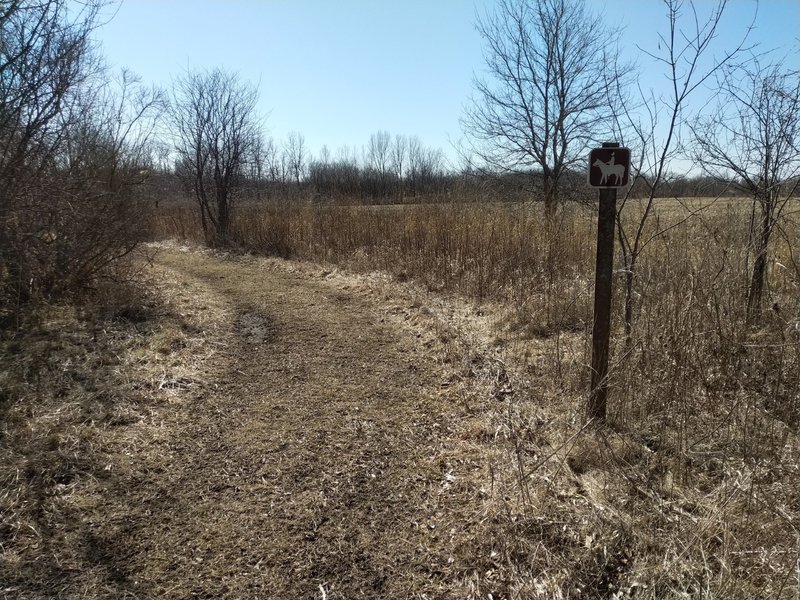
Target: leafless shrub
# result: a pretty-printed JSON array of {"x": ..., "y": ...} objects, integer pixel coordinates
[
  {"x": 216, "y": 134},
  {"x": 651, "y": 123},
  {"x": 74, "y": 151},
  {"x": 753, "y": 140}
]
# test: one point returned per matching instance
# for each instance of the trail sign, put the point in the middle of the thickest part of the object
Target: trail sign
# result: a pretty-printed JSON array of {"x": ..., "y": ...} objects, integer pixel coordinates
[
  {"x": 608, "y": 170},
  {"x": 609, "y": 167}
]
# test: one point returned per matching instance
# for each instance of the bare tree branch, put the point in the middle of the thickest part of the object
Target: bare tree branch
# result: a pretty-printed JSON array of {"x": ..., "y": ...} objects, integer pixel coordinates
[
  {"x": 216, "y": 133},
  {"x": 546, "y": 97},
  {"x": 753, "y": 140}
]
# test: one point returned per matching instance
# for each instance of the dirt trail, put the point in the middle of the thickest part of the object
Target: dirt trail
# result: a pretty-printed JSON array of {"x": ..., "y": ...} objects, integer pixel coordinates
[{"x": 311, "y": 462}]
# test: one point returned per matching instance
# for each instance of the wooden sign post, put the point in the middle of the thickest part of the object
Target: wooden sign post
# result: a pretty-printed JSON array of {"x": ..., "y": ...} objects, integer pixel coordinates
[{"x": 609, "y": 167}]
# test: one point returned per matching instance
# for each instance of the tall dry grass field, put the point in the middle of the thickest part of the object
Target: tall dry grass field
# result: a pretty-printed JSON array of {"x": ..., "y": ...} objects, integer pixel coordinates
[{"x": 697, "y": 474}]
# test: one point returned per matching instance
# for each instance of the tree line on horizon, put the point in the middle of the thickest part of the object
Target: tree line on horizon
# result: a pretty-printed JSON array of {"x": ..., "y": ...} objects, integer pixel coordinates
[{"x": 79, "y": 141}]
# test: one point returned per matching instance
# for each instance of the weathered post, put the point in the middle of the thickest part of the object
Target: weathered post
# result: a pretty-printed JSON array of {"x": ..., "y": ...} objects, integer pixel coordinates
[{"x": 608, "y": 170}]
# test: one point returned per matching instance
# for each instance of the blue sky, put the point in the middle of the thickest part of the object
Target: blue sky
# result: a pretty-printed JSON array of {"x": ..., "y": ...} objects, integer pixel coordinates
[{"x": 338, "y": 70}]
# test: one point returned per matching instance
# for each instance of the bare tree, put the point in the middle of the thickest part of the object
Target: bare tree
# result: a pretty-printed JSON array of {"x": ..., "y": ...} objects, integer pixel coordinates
[
  {"x": 753, "y": 140},
  {"x": 378, "y": 154},
  {"x": 216, "y": 129},
  {"x": 272, "y": 161},
  {"x": 652, "y": 124},
  {"x": 258, "y": 167},
  {"x": 45, "y": 59},
  {"x": 107, "y": 156},
  {"x": 295, "y": 152},
  {"x": 324, "y": 155},
  {"x": 546, "y": 96},
  {"x": 416, "y": 160},
  {"x": 399, "y": 155},
  {"x": 424, "y": 165}
]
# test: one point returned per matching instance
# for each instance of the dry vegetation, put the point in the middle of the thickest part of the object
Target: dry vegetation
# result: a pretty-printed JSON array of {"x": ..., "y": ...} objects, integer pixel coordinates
[
  {"x": 398, "y": 410},
  {"x": 691, "y": 489},
  {"x": 81, "y": 390}
]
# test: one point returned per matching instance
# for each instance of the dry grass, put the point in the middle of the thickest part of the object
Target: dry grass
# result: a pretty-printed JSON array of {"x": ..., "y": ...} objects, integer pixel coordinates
[
  {"x": 690, "y": 491},
  {"x": 692, "y": 488},
  {"x": 85, "y": 391},
  {"x": 475, "y": 250}
]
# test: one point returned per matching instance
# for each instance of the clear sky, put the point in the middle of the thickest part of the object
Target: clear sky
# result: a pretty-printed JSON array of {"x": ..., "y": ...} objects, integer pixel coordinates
[{"x": 338, "y": 70}]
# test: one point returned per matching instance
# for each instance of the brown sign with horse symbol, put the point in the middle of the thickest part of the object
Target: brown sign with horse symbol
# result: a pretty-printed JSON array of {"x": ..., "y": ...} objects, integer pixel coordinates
[{"x": 609, "y": 167}]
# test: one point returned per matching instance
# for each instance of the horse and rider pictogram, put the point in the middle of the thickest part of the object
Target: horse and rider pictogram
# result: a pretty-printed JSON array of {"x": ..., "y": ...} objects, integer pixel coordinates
[{"x": 609, "y": 167}]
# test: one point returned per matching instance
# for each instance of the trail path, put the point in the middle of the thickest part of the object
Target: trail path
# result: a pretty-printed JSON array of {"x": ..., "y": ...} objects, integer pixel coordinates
[{"x": 312, "y": 461}]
